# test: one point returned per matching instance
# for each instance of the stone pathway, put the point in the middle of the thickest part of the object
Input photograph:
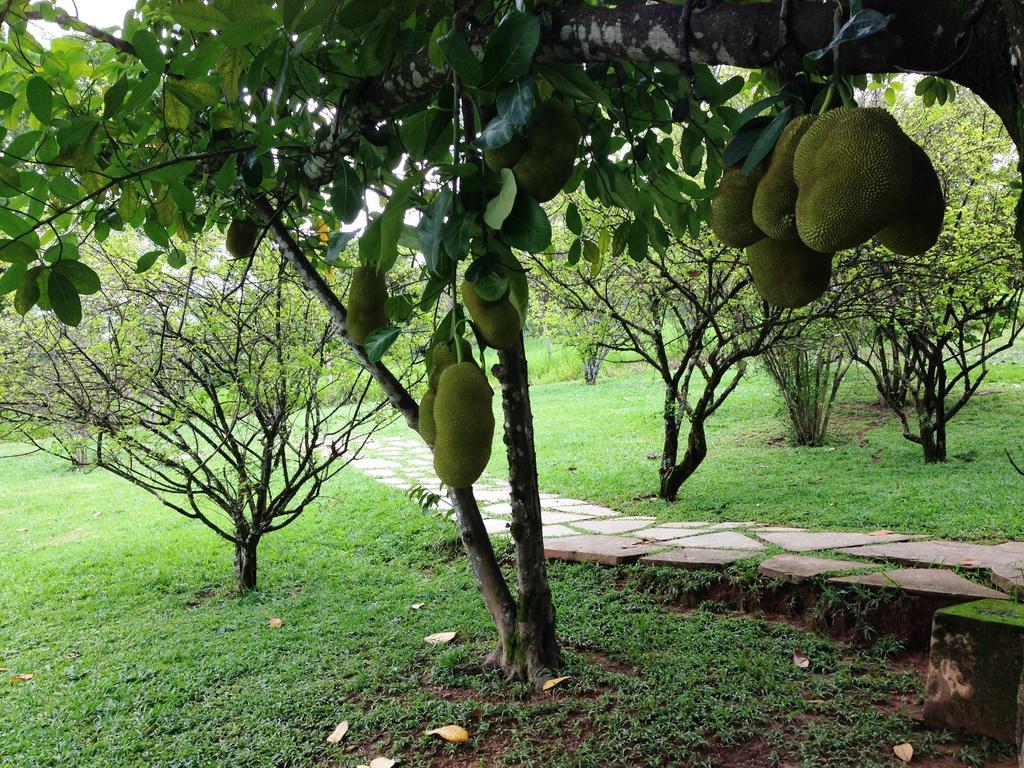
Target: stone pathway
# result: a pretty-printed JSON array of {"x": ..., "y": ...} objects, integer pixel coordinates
[{"x": 577, "y": 531}]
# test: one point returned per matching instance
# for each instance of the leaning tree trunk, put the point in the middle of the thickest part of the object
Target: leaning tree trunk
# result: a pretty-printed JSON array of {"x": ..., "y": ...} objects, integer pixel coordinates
[
  {"x": 670, "y": 441},
  {"x": 245, "y": 562},
  {"x": 535, "y": 653},
  {"x": 696, "y": 452}
]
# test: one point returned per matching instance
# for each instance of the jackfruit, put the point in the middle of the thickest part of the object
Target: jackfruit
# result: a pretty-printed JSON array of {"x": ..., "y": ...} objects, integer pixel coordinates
[
  {"x": 916, "y": 226},
  {"x": 443, "y": 355},
  {"x": 241, "y": 237},
  {"x": 465, "y": 425},
  {"x": 852, "y": 170},
  {"x": 427, "y": 427},
  {"x": 498, "y": 321},
  {"x": 366, "y": 297},
  {"x": 774, "y": 208},
  {"x": 731, "y": 220},
  {"x": 788, "y": 274},
  {"x": 544, "y": 159}
]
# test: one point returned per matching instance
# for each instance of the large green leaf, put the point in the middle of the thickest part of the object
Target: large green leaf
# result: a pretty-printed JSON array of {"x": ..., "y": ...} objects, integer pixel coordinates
[
  {"x": 347, "y": 193},
  {"x": 510, "y": 49},
  {"x": 148, "y": 49},
  {"x": 460, "y": 57},
  {"x": 40, "y": 99},
  {"x": 527, "y": 227},
  {"x": 64, "y": 299},
  {"x": 379, "y": 342}
]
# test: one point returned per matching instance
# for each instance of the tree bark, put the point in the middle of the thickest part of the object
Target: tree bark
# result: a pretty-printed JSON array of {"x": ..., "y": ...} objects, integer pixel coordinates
[
  {"x": 535, "y": 654},
  {"x": 245, "y": 563},
  {"x": 696, "y": 451},
  {"x": 670, "y": 442}
]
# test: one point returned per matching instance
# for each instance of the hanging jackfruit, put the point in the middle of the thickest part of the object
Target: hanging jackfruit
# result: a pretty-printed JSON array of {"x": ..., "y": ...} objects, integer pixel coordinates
[
  {"x": 731, "y": 220},
  {"x": 916, "y": 225},
  {"x": 499, "y": 321},
  {"x": 241, "y": 237},
  {"x": 427, "y": 427},
  {"x": 852, "y": 170},
  {"x": 788, "y": 274},
  {"x": 443, "y": 355},
  {"x": 464, "y": 425},
  {"x": 774, "y": 207},
  {"x": 366, "y": 296},
  {"x": 544, "y": 159}
]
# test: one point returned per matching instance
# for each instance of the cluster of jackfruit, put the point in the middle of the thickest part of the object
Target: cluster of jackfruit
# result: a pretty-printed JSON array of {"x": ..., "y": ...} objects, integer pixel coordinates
[
  {"x": 367, "y": 294},
  {"x": 456, "y": 417},
  {"x": 241, "y": 237},
  {"x": 833, "y": 182},
  {"x": 543, "y": 159}
]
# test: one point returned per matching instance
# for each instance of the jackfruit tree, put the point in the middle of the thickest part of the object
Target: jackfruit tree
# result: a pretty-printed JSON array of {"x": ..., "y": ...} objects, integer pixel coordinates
[{"x": 355, "y": 133}]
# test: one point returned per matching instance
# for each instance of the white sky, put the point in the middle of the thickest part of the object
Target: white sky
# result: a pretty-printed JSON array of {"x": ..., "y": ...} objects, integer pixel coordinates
[{"x": 99, "y": 13}]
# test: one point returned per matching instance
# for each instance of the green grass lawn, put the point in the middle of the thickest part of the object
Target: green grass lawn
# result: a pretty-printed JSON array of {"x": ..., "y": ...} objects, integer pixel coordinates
[{"x": 142, "y": 656}]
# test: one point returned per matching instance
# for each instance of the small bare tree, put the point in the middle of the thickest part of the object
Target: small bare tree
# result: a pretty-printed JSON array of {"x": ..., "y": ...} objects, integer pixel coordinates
[{"x": 220, "y": 389}]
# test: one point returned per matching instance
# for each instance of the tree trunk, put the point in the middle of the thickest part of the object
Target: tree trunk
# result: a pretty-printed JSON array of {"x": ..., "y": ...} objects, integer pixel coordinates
[
  {"x": 534, "y": 655},
  {"x": 591, "y": 367},
  {"x": 245, "y": 563},
  {"x": 670, "y": 443},
  {"x": 696, "y": 451}
]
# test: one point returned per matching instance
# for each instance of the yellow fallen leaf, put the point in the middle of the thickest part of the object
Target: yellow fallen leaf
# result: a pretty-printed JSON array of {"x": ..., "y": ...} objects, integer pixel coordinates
[
  {"x": 383, "y": 762},
  {"x": 904, "y": 752},
  {"x": 338, "y": 733},
  {"x": 882, "y": 532},
  {"x": 416, "y": 606},
  {"x": 440, "y": 638},
  {"x": 800, "y": 659},
  {"x": 21, "y": 678},
  {"x": 453, "y": 733},
  {"x": 21, "y": 530},
  {"x": 275, "y": 623},
  {"x": 549, "y": 684}
]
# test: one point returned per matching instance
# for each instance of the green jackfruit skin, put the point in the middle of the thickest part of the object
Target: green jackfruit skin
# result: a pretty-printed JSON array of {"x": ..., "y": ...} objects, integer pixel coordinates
[
  {"x": 241, "y": 237},
  {"x": 774, "y": 207},
  {"x": 852, "y": 170},
  {"x": 366, "y": 297},
  {"x": 427, "y": 426},
  {"x": 916, "y": 226},
  {"x": 443, "y": 355},
  {"x": 498, "y": 321},
  {"x": 790, "y": 274},
  {"x": 552, "y": 142},
  {"x": 731, "y": 219},
  {"x": 506, "y": 156},
  {"x": 465, "y": 425}
]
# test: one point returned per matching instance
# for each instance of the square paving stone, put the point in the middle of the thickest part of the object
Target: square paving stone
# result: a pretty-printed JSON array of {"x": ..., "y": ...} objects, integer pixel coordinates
[
  {"x": 487, "y": 494},
  {"x": 974, "y": 668},
  {"x": 556, "y": 531},
  {"x": 797, "y": 569},
  {"x": 778, "y": 529},
  {"x": 613, "y": 524},
  {"x": 807, "y": 541},
  {"x": 496, "y": 526},
  {"x": 664, "y": 533},
  {"x": 686, "y": 524},
  {"x": 927, "y": 582},
  {"x": 552, "y": 516},
  {"x": 718, "y": 540},
  {"x": 588, "y": 510},
  {"x": 605, "y": 550},
  {"x": 948, "y": 553},
  {"x": 504, "y": 509},
  {"x": 696, "y": 559}
]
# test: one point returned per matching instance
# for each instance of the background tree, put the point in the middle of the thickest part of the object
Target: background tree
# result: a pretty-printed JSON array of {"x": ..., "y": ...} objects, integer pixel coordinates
[{"x": 220, "y": 389}]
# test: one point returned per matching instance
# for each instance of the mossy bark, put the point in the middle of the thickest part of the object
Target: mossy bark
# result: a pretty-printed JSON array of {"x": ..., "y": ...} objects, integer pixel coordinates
[{"x": 245, "y": 563}]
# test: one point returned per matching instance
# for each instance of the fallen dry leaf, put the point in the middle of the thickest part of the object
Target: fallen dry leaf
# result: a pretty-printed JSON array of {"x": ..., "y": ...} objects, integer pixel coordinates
[
  {"x": 382, "y": 762},
  {"x": 968, "y": 563},
  {"x": 21, "y": 530},
  {"x": 882, "y": 532},
  {"x": 549, "y": 684},
  {"x": 453, "y": 733},
  {"x": 4, "y": 669},
  {"x": 21, "y": 678},
  {"x": 904, "y": 752},
  {"x": 800, "y": 659},
  {"x": 440, "y": 638},
  {"x": 338, "y": 733},
  {"x": 71, "y": 655},
  {"x": 416, "y": 606},
  {"x": 275, "y": 623}
]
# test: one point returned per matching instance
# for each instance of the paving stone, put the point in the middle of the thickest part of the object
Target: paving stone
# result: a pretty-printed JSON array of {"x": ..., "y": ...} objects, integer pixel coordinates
[
  {"x": 552, "y": 516},
  {"x": 797, "y": 569},
  {"x": 778, "y": 529},
  {"x": 553, "y": 531},
  {"x": 718, "y": 540},
  {"x": 496, "y": 526},
  {"x": 489, "y": 495},
  {"x": 612, "y": 524},
  {"x": 1009, "y": 578},
  {"x": 370, "y": 464},
  {"x": 948, "y": 553},
  {"x": 686, "y": 524},
  {"x": 664, "y": 533},
  {"x": 696, "y": 559},
  {"x": 380, "y": 472},
  {"x": 504, "y": 509},
  {"x": 974, "y": 668},
  {"x": 923, "y": 581},
  {"x": 589, "y": 510},
  {"x": 606, "y": 550},
  {"x": 807, "y": 541}
]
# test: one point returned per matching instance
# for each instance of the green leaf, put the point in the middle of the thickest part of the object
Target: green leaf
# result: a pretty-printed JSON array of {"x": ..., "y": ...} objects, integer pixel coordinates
[
  {"x": 497, "y": 133},
  {"x": 252, "y": 171},
  {"x": 80, "y": 275},
  {"x": 509, "y": 51},
  {"x": 572, "y": 80},
  {"x": 40, "y": 99},
  {"x": 636, "y": 241},
  {"x": 379, "y": 342},
  {"x": 12, "y": 276},
  {"x": 113, "y": 97},
  {"x": 862, "y": 24},
  {"x": 198, "y": 17},
  {"x": 148, "y": 48},
  {"x": 347, "y": 193},
  {"x": 500, "y": 206},
  {"x": 194, "y": 94},
  {"x": 16, "y": 250},
  {"x": 64, "y": 299},
  {"x": 146, "y": 261},
  {"x": 573, "y": 220},
  {"x": 515, "y": 103},
  {"x": 527, "y": 227},
  {"x": 460, "y": 57},
  {"x": 28, "y": 291},
  {"x": 766, "y": 141},
  {"x": 229, "y": 67},
  {"x": 176, "y": 113}
]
